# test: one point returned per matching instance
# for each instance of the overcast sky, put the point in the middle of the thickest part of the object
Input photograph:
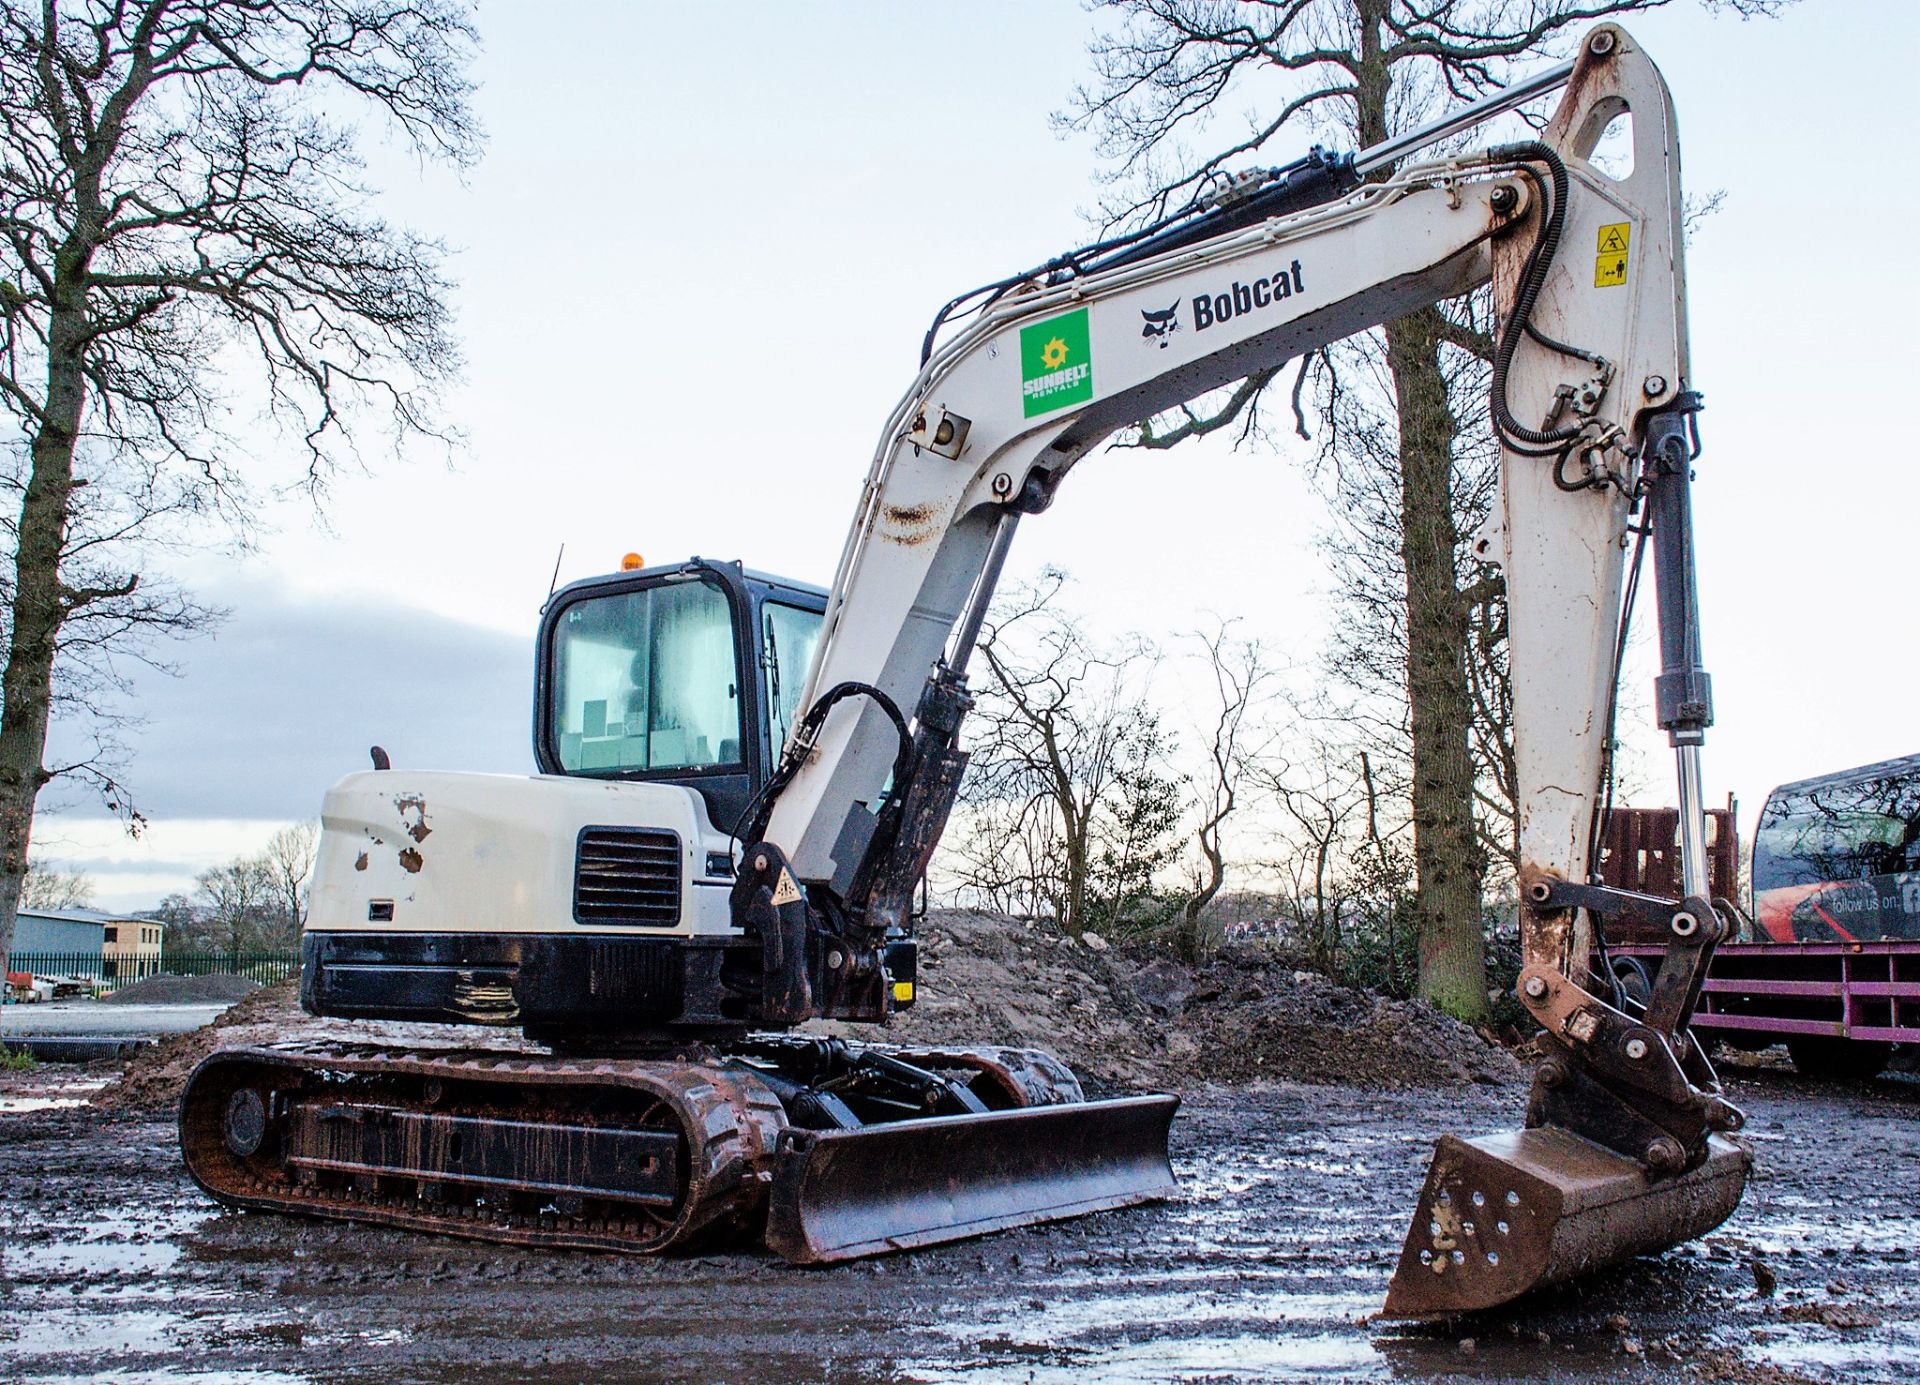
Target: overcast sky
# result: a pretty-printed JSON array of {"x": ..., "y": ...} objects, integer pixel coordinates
[{"x": 695, "y": 265}]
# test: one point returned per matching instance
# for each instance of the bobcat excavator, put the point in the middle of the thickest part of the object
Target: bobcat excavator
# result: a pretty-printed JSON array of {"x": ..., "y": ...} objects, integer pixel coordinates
[{"x": 743, "y": 781}]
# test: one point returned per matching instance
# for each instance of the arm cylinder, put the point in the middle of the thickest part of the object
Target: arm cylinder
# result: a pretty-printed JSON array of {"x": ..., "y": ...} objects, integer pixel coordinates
[{"x": 1683, "y": 693}]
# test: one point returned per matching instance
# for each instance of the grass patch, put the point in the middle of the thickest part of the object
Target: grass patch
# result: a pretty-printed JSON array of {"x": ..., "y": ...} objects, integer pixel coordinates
[{"x": 17, "y": 1060}]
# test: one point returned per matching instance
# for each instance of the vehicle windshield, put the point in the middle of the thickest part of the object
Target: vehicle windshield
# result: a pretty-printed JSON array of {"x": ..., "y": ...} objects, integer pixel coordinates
[
  {"x": 646, "y": 680},
  {"x": 1845, "y": 831},
  {"x": 1841, "y": 860}
]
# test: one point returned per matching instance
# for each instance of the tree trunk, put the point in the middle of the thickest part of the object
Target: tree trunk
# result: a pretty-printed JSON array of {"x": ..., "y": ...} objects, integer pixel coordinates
[
  {"x": 1449, "y": 861},
  {"x": 26, "y": 688},
  {"x": 1073, "y": 919},
  {"x": 1193, "y": 934}
]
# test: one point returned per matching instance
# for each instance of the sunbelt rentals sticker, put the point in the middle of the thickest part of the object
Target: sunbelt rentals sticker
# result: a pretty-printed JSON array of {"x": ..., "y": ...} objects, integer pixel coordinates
[{"x": 1056, "y": 364}]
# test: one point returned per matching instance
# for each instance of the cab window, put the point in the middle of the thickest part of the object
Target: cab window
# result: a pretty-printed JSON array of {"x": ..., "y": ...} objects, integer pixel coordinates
[
  {"x": 789, "y": 634},
  {"x": 646, "y": 680}
]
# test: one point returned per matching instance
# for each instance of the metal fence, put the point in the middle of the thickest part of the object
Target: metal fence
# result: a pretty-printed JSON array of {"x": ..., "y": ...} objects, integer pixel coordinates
[{"x": 102, "y": 974}]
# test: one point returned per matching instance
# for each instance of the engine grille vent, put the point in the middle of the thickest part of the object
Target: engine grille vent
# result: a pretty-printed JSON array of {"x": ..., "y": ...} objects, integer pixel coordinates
[{"x": 627, "y": 875}]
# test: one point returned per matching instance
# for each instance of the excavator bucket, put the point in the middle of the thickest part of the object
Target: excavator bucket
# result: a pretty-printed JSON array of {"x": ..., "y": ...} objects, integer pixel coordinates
[
  {"x": 841, "y": 1194},
  {"x": 1509, "y": 1213}
]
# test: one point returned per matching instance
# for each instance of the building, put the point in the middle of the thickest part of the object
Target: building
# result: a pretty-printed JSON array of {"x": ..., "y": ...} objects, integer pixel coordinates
[
  {"x": 131, "y": 946},
  {"x": 59, "y": 933},
  {"x": 124, "y": 947}
]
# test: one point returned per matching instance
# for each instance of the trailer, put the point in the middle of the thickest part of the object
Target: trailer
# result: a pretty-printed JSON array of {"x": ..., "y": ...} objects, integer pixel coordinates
[{"x": 1828, "y": 962}]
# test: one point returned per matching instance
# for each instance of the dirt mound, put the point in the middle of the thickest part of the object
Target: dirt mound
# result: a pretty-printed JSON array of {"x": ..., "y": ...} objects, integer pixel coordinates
[
  {"x": 990, "y": 979},
  {"x": 1122, "y": 1017},
  {"x": 1138, "y": 1017},
  {"x": 1250, "y": 1012},
  {"x": 182, "y": 990},
  {"x": 154, "y": 1078}
]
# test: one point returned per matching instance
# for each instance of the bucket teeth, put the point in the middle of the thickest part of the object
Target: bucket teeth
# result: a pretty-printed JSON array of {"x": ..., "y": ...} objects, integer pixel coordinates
[{"x": 1506, "y": 1214}]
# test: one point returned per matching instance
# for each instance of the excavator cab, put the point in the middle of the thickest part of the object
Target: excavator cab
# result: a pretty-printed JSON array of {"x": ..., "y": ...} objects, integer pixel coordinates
[
  {"x": 689, "y": 675},
  {"x": 678, "y": 684}
]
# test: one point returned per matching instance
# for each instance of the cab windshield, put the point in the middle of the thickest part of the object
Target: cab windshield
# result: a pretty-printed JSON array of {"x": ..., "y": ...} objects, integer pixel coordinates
[{"x": 646, "y": 680}]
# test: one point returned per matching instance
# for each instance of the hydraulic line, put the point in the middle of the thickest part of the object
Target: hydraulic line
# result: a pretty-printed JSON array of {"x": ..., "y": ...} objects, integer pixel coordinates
[
  {"x": 753, "y": 818},
  {"x": 1516, "y": 435}
]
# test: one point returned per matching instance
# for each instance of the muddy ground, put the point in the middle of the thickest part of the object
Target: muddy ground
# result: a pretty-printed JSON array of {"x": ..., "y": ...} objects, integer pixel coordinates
[
  {"x": 1295, "y": 1201},
  {"x": 114, "y": 1268}
]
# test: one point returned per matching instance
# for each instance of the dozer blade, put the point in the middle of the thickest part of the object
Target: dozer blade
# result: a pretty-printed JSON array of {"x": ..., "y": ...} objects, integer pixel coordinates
[
  {"x": 841, "y": 1194},
  {"x": 1508, "y": 1213}
]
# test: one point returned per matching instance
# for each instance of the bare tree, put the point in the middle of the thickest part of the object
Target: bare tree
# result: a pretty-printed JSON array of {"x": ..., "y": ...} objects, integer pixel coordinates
[
  {"x": 186, "y": 242},
  {"x": 242, "y": 903},
  {"x": 1319, "y": 803},
  {"x": 288, "y": 860},
  {"x": 1070, "y": 807},
  {"x": 55, "y": 889},
  {"x": 1240, "y": 672},
  {"x": 1168, "y": 72}
]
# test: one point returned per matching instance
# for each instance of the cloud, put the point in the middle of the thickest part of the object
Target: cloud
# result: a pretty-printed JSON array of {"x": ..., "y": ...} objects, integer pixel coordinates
[{"x": 291, "y": 691}]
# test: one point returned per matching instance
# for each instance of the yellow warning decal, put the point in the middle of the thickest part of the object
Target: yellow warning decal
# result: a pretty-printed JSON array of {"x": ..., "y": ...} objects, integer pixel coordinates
[
  {"x": 903, "y": 993},
  {"x": 786, "y": 892},
  {"x": 1610, "y": 255}
]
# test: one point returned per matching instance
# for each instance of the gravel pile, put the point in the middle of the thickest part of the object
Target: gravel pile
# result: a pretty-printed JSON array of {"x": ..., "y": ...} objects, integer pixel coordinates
[{"x": 182, "y": 990}]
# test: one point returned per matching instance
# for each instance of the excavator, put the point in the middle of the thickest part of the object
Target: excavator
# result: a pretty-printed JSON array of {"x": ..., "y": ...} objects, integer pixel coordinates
[{"x": 743, "y": 780}]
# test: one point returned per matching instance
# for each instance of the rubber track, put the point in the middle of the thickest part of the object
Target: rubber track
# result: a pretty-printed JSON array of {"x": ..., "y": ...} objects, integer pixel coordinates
[{"x": 729, "y": 1122}]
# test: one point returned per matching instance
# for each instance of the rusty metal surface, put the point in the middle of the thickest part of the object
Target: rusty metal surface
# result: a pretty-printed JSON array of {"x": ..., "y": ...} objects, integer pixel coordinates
[
  {"x": 1505, "y": 1214},
  {"x": 1026, "y": 1076},
  {"x": 1640, "y": 851},
  {"x": 840, "y": 1195}
]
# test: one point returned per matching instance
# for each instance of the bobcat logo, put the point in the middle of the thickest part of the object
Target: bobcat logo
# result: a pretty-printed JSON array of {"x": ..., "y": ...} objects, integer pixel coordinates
[{"x": 1161, "y": 325}]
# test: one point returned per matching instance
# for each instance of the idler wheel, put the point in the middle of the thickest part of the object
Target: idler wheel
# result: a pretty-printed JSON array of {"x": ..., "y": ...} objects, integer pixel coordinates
[{"x": 246, "y": 1122}]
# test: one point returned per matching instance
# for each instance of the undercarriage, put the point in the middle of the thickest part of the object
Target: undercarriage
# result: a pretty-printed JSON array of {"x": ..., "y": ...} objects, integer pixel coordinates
[{"x": 826, "y": 1150}]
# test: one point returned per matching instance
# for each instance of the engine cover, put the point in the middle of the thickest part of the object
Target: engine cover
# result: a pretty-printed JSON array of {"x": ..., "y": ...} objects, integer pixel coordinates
[{"x": 420, "y": 851}]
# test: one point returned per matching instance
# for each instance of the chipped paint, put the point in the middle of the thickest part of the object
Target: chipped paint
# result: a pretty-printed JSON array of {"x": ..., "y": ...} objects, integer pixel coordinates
[
  {"x": 417, "y": 806},
  {"x": 915, "y": 524},
  {"x": 411, "y": 861},
  {"x": 360, "y": 861}
]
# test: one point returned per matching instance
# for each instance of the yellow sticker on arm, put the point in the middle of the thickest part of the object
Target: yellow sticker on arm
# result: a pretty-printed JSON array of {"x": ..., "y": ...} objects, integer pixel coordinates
[
  {"x": 786, "y": 892},
  {"x": 1610, "y": 254}
]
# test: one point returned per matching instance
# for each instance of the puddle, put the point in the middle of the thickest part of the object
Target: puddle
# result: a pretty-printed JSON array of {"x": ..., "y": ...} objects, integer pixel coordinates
[
  {"x": 47, "y": 1093},
  {"x": 1193, "y": 1359},
  {"x": 170, "y": 1377},
  {"x": 1129, "y": 1305},
  {"x": 23, "y": 1105},
  {"x": 44, "y": 1330}
]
